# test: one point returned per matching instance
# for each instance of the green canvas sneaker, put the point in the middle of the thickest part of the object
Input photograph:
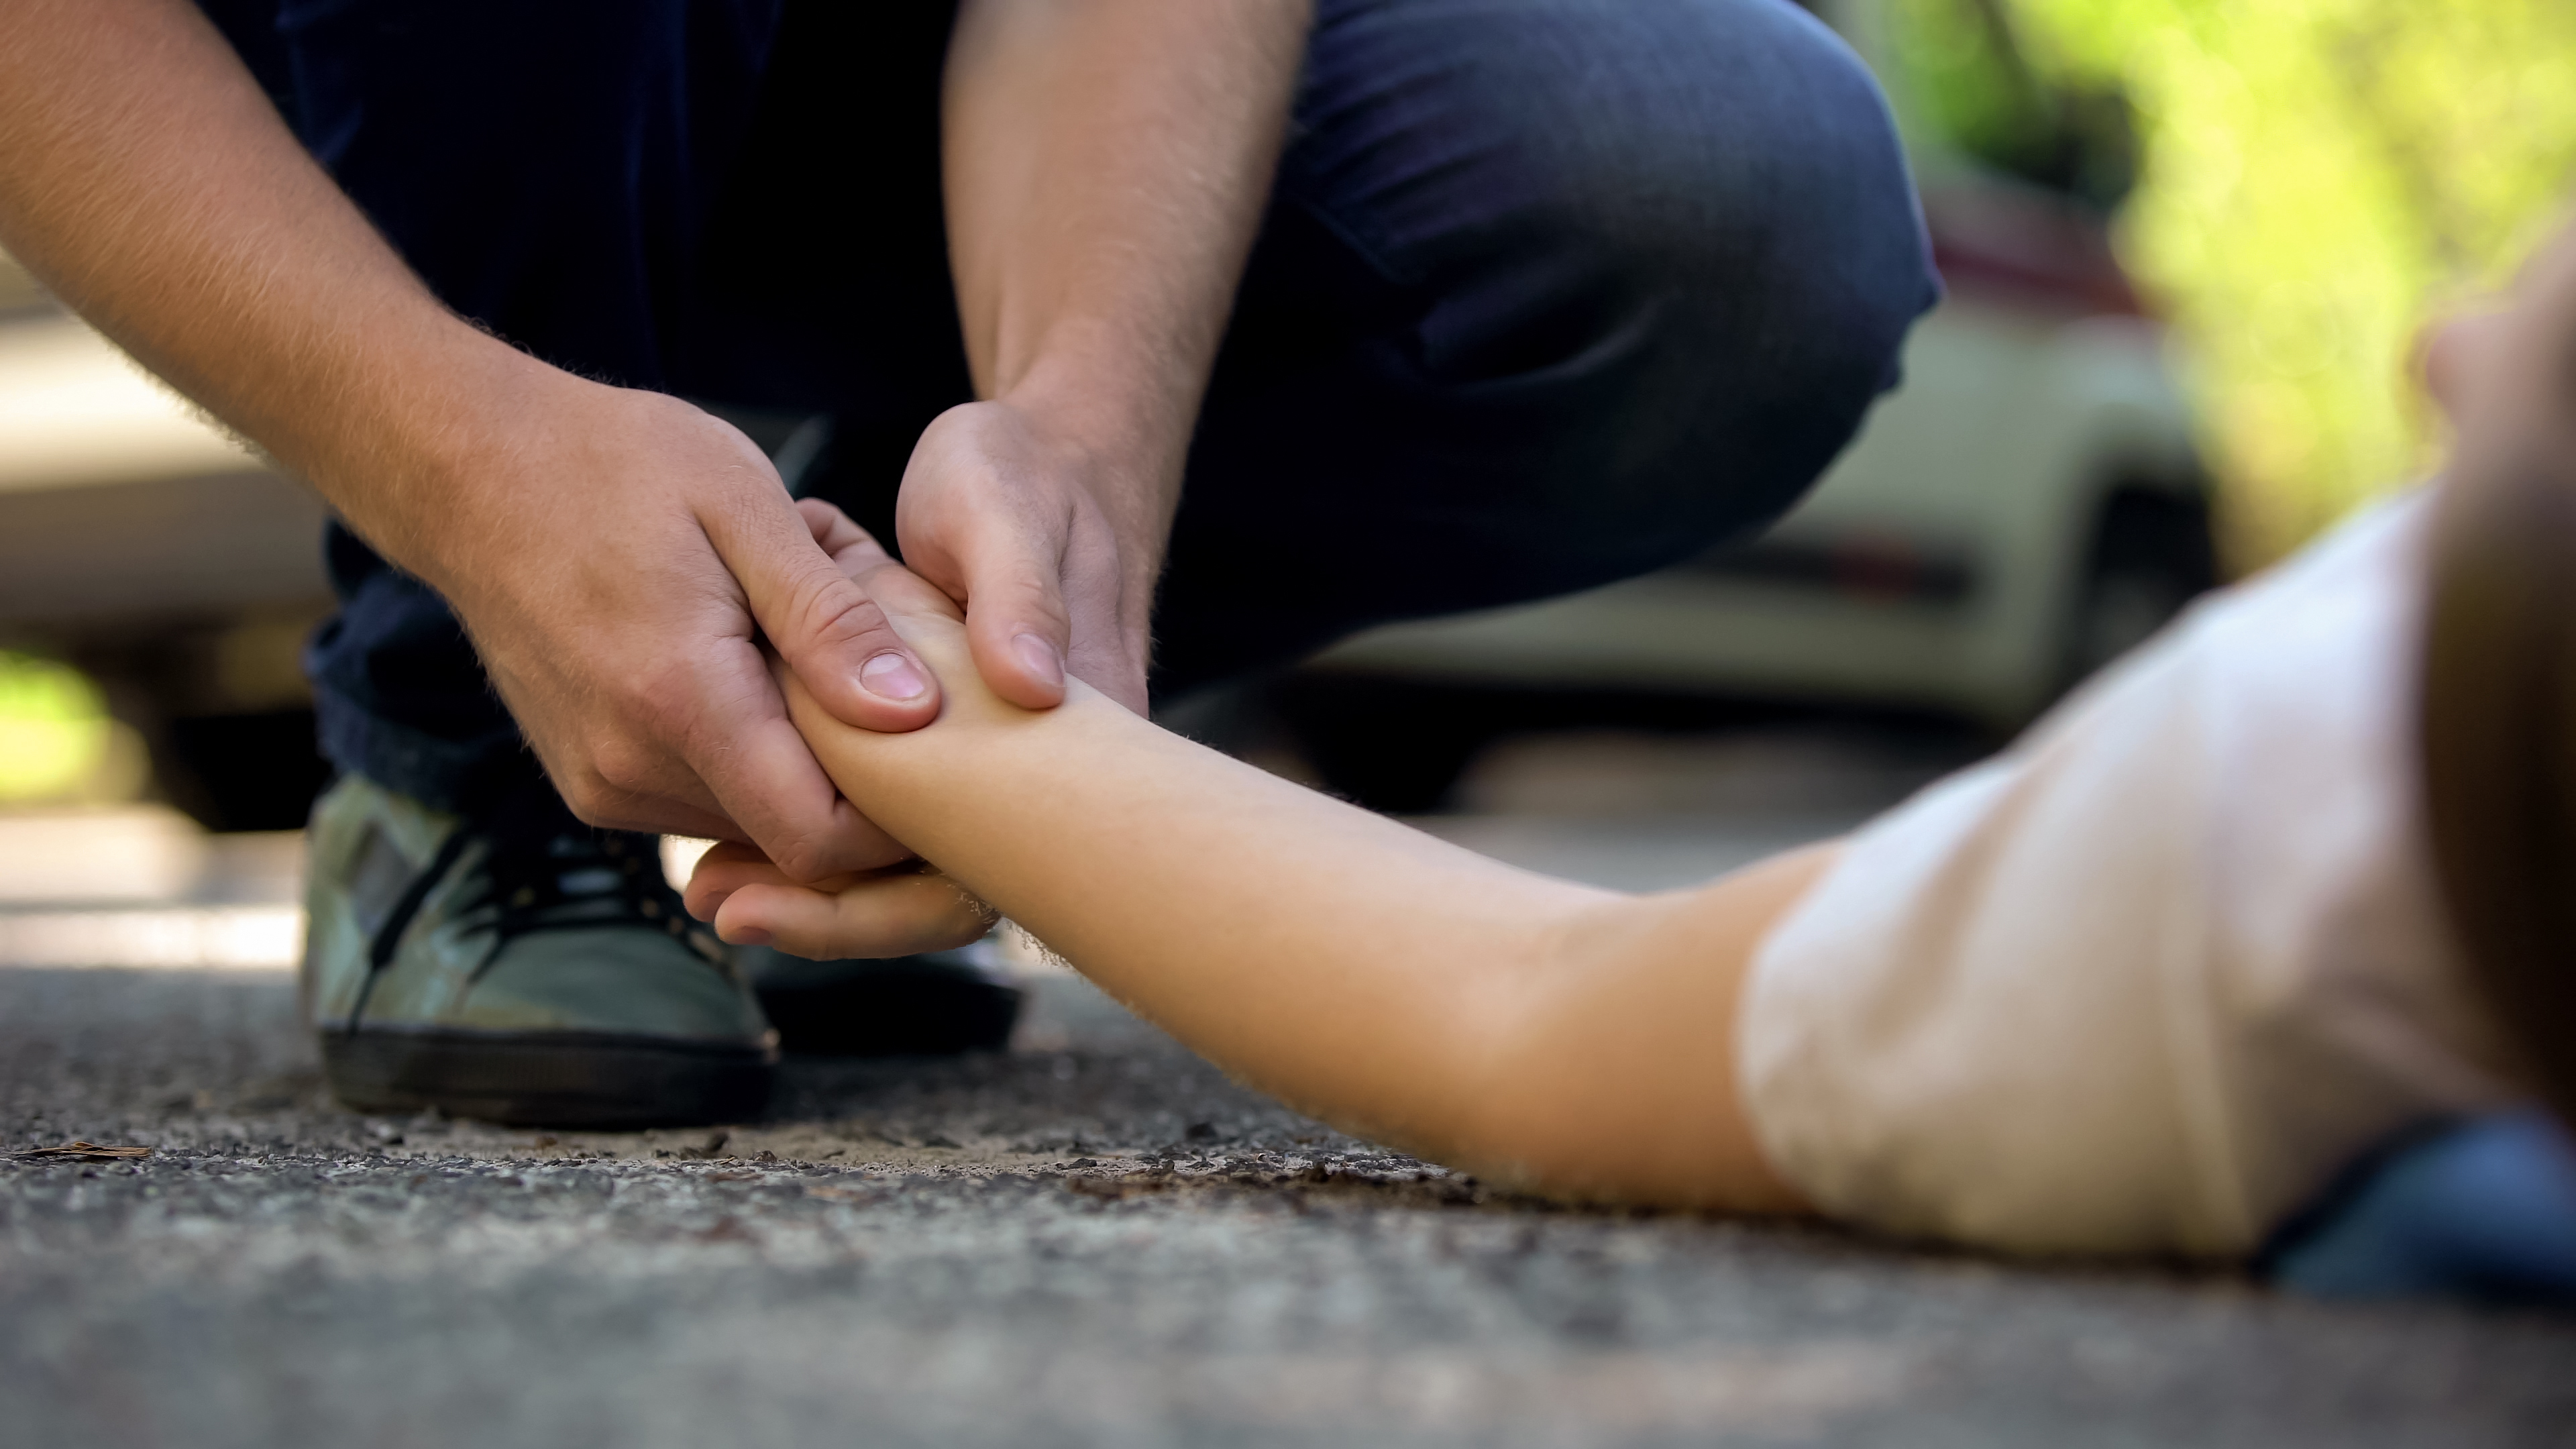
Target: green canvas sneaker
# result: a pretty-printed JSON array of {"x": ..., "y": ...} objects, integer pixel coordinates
[{"x": 532, "y": 977}]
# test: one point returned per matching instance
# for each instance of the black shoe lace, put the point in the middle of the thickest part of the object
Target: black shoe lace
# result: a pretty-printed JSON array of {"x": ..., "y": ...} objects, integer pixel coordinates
[
  {"x": 579, "y": 879},
  {"x": 547, "y": 880}
]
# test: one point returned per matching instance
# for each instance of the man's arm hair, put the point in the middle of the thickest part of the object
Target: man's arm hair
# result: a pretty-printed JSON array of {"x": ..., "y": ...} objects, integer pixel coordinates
[
  {"x": 147, "y": 179},
  {"x": 1106, "y": 165}
]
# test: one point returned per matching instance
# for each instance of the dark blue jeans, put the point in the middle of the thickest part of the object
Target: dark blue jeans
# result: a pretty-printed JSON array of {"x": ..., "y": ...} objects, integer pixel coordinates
[
  {"x": 2482, "y": 1209},
  {"x": 1550, "y": 292}
]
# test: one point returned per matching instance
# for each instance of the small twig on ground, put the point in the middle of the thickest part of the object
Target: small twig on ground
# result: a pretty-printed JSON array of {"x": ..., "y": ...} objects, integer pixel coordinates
[{"x": 81, "y": 1152}]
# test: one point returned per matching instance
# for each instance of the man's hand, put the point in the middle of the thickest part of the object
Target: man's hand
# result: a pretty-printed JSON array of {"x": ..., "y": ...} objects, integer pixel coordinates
[
  {"x": 618, "y": 567},
  {"x": 1050, "y": 544}
]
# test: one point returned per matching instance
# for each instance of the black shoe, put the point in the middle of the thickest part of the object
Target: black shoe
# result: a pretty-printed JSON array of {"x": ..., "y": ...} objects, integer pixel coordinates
[{"x": 937, "y": 1004}]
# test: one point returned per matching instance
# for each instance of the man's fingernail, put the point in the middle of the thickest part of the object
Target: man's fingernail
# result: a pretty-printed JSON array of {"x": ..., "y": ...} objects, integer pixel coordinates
[
  {"x": 891, "y": 676},
  {"x": 1039, "y": 658}
]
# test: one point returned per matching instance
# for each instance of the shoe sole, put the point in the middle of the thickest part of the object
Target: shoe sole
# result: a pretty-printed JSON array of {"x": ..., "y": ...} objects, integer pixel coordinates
[{"x": 548, "y": 1079}]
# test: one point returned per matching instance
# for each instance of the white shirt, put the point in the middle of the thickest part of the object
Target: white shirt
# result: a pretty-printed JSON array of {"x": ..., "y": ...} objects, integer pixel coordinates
[{"x": 2145, "y": 982}]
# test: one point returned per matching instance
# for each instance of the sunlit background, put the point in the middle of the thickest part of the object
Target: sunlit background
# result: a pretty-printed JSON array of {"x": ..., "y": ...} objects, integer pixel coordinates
[
  {"x": 56, "y": 741},
  {"x": 2318, "y": 178}
]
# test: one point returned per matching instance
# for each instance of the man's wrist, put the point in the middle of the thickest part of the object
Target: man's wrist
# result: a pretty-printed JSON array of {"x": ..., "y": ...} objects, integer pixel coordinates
[
  {"x": 415, "y": 463},
  {"x": 1127, "y": 430},
  {"x": 1110, "y": 400}
]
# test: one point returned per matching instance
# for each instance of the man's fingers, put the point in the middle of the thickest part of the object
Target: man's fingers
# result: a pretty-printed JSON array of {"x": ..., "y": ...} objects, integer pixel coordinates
[
  {"x": 852, "y": 549},
  {"x": 857, "y": 554},
  {"x": 782, "y": 799},
  {"x": 768, "y": 782},
  {"x": 727, "y": 866},
  {"x": 821, "y": 621},
  {"x": 886, "y": 914}
]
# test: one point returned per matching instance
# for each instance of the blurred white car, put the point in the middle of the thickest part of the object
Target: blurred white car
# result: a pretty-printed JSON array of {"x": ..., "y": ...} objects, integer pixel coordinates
[{"x": 2028, "y": 505}]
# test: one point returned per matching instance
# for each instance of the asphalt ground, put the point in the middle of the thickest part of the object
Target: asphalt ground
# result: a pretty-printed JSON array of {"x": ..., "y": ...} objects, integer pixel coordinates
[{"x": 1092, "y": 1239}]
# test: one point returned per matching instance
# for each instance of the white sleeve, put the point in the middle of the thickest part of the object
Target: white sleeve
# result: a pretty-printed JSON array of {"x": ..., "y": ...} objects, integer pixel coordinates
[
  {"x": 1968, "y": 1029},
  {"x": 2143, "y": 984}
]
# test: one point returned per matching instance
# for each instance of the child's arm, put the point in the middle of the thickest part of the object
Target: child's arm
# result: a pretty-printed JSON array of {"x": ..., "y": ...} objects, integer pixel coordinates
[{"x": 1542, "y": 1033}]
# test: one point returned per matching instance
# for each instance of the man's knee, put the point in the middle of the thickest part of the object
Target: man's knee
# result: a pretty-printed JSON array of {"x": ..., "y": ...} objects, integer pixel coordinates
[
  {"x": 1718, "y": 258},
  {"x": 1834, "y": 268},
  {"x": 1575, "y": 185},
  {"x": 1758, "y": 215},
  {"x": 1748, "y": 184},
  {"x": 1628, "y": 278}
]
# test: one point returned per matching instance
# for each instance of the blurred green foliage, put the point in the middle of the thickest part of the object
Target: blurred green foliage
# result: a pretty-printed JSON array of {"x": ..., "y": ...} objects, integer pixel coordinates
[
  {"x": 2320, "y": 178},
  {"x": 1965, "y": 66},
  {"x": 54, "y": 730}
]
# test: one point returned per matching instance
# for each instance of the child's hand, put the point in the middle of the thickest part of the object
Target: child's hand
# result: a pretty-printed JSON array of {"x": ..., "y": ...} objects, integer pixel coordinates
[{"x": 897, "y": 911}]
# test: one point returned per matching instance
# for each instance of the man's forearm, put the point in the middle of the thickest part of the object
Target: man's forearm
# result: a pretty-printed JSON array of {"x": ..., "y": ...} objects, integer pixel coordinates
[
  {"x": 1107, "y": 162},
  {"x": 145, "y": 177}
]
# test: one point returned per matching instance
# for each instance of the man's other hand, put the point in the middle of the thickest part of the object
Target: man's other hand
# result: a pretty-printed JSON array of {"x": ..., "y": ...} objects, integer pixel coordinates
[
  {"x": 619, "y": 566},
  {"x": 1050, "y": 543}
]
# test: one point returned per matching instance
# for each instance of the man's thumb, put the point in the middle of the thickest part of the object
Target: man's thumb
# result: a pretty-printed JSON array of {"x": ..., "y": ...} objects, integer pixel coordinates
[
  {"x": 1017, "y": 625},
  {"x": 830, "y": 632}
]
